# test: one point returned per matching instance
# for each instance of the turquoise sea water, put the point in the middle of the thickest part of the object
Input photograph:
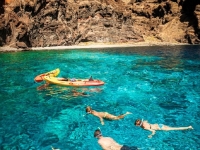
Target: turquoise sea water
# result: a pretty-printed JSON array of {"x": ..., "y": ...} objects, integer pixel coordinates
[{"x": 158, "y": 84}]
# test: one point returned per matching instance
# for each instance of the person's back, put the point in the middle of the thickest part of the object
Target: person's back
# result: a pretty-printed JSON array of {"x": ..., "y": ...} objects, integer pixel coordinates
[{"x": 108, "y": 143}]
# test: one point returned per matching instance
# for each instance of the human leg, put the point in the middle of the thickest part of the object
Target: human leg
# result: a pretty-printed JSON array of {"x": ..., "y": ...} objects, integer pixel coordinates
[
  {"x": 167, "y": 128},
  {"x": 122, "y": 116},
  {"x": 112, "y": 117}
]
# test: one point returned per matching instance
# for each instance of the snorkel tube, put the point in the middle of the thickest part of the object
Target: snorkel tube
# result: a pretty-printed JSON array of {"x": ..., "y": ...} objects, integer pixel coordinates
[
  {"x": 141, "y": 122},
  {"x": 97, "y": 133}
]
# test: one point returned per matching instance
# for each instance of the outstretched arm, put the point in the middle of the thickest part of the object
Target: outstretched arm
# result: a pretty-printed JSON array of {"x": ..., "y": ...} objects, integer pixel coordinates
[
  {"x": 153, "y": 132},
  {"x": 101, "y": 120}
]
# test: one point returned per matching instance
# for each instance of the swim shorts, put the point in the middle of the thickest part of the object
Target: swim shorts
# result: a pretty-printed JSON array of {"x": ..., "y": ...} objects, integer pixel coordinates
[{"x": 124, "y": 147}]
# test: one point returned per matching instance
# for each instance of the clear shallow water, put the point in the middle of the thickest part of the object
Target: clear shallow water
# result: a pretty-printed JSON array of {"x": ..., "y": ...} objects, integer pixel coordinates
[{"x": 159, "y": 84}]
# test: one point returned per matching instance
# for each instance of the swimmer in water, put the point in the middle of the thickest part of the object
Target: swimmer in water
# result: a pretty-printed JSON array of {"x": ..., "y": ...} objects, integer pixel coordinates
[
  {"x": 107, "y": 143},
  {"x": 104, "y": 115},
  {"x": 153, "y": 127}
]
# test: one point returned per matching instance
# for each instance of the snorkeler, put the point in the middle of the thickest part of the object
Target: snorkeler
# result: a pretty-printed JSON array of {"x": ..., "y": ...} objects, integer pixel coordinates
[
  {"x": 153, "y": 127},
  {"x": 107, "y": 143},
  {"x": 104, "y": 115}
]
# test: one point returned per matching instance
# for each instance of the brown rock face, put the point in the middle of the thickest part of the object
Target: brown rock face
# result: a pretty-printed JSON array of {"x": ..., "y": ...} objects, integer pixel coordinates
[{"x": 41, "y": 23}]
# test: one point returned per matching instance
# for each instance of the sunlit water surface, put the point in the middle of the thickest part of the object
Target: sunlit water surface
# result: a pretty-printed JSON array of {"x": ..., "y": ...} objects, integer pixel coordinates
[{"x": 158, "y": 84}]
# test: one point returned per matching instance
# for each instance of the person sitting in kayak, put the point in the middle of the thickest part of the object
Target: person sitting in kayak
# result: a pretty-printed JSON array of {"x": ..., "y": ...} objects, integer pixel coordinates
[
  {"x": 91, "y": 79},
  {"x": 104, "y": 115}
]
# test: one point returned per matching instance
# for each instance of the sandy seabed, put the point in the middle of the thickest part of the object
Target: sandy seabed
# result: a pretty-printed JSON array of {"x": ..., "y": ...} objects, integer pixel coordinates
[{"x": 89, "y": 45}]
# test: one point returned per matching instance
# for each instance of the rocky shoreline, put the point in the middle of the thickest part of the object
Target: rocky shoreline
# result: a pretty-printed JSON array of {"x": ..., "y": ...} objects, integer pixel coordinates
[
  {"x": 90, "y": 46},
  {"x": 64, "y": 23}
]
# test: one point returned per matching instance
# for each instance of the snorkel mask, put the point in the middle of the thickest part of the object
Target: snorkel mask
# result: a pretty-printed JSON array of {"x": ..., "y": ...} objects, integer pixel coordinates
[{"x": 97, "y": 135}]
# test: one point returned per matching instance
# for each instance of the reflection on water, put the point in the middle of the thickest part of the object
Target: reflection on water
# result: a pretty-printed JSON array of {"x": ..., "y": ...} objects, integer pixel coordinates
[{"x": 68, "y": 93}]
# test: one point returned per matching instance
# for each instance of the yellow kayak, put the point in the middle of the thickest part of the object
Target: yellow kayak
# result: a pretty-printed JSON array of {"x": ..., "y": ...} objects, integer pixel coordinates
[
  {"x": 73, "y": 82},
  {"x": 52, "y": 73}
]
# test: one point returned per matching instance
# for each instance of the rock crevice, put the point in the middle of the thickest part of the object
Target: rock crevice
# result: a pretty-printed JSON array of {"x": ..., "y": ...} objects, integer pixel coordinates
[{"x": 41, "y": 23}]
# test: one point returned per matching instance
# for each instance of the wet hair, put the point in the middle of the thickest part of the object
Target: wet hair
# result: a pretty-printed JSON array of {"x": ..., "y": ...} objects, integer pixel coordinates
[
  {"x": 97, "y": 133},
  {"x": 88, "y": 109},
  {"x": 137, "y": 121}
]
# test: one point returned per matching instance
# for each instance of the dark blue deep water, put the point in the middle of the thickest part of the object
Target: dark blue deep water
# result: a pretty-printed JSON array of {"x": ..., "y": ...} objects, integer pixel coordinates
[{"x": 158, "y": 84}]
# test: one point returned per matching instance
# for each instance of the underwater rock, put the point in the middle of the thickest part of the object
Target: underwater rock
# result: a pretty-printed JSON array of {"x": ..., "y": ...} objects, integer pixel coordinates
[{"x": 49, "y": 139}]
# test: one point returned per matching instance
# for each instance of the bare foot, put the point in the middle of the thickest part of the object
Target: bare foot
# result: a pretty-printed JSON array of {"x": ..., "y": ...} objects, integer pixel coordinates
[
  {"x": 128, "y": 113},
  {"x": 190, "y": 127},
  {"x": 102, "y": 122}
]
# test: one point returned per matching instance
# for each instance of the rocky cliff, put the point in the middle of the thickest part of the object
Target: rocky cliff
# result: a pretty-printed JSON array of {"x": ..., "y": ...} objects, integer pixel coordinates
[{"x": 42, "y": 23}]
